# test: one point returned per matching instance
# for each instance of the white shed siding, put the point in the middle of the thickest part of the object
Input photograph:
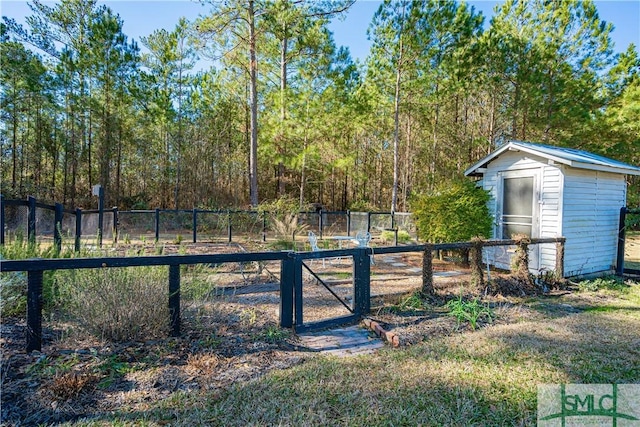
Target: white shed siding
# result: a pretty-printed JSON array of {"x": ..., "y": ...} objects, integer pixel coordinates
[
  {"x": 579, "y": 194},
  {"x": 514, "y": 161},
  {"x": 490, "y": 184},
  {"x": 550, "y": 190},
  {"x": 592, "y": 202},
  {"x": 550, "y": 213}
]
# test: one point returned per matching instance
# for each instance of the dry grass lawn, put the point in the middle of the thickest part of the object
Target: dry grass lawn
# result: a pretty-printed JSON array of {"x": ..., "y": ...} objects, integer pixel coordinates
[
  {"x": 453, "y": 376},
  {"x": 233, "y": 366}
]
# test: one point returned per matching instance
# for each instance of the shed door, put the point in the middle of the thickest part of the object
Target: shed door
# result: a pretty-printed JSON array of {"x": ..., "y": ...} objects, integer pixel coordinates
[
  {"x": 517, "y": 206},
  {"x": 519, "y": 213}
]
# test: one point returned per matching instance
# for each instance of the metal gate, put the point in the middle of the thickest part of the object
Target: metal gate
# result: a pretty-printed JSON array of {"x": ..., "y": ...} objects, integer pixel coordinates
[
  {"x": 292, "y": 295},
  {"x": 628, "y": 242}
]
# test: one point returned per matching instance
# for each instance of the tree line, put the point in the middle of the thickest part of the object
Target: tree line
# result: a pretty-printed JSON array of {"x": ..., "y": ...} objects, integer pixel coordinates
[{"x": 284, "y": 113}]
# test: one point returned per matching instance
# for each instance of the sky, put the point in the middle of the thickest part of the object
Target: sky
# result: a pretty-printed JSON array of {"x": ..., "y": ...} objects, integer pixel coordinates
[{"x": 142, "y": 17}]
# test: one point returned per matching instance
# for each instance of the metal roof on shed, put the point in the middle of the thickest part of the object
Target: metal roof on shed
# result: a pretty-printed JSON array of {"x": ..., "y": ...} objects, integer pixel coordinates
[{"x": 568, "y": 156}]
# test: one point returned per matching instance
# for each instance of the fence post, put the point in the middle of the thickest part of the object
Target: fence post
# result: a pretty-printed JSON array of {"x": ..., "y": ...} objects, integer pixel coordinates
[
  {"x": 287, "y": 268},
  {"x": 264, "y": 226},
  {"x": 78, "y": 229},
  {"x": 174, "y": 299},
  {"x": 157, "y": 224},
  {"x": 348, "y": 223},
  {"x": 320, "y": 223},
  {"x": 115, "y": 224},
  {"x": 297, "y": 291},
  {"x": 57, "y": 227},
  {"x": 521, "y": 257},
  {"x": 362, "y": 281},
  {"x": 31, "y": 225},
  {"x": 477, "y": 276},
  {"x": 560, "y": 259},
  {"x": 368, "y": 222},
  {"x": 1, "y": 219},
  {"x": 427, "y": 271},
  {"x": 195, "y": 225},
  {"x": 34, "y": 311},
  {"x": 100, "y": 215},
  {"x": 229, "y": 226},
  {"x": 621, "y": 241}
]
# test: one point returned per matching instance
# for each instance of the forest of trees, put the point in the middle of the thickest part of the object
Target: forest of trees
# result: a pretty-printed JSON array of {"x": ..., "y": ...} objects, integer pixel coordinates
[{"x": 284, "y": 112}]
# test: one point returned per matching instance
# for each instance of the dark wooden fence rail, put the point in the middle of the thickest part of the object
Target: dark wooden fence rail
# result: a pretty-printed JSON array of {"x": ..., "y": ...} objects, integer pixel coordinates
[
  {"x": 36, "y": 267},
  {"x": 291, "y": 297}
]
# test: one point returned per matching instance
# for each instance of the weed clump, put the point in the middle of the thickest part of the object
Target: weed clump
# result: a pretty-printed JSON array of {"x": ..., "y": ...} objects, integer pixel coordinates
[{"x": 471, "y": 311}]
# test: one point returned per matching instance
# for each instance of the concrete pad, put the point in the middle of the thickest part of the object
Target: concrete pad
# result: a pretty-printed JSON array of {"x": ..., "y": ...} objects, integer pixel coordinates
[{"x": 348, "y": 341}]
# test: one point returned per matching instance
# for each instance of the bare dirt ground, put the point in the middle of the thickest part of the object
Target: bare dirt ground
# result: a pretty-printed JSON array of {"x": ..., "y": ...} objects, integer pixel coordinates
[{"x": 231, "y": 336}]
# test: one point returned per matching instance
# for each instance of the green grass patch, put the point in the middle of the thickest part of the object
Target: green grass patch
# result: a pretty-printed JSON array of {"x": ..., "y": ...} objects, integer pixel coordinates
[
  {"x": 624, "y": 292},
  {"x": 274, "y": 333},
  {"x": 611, "y": 283}
]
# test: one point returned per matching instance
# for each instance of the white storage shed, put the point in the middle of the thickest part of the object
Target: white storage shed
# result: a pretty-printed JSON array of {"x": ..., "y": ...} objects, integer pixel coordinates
[{"x": 545, "y": 191}]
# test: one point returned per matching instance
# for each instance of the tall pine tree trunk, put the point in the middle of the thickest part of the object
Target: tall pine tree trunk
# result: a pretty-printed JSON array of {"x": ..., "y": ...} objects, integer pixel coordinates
[
  {"x": 283, "y": 113},
  {"x": 253, "y": 73},
  {"x": 396, "y": 135}
]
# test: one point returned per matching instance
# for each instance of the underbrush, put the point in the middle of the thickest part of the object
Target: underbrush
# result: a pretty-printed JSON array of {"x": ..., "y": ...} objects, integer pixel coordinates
[
  {"x": 610, "y": 283},
  {"x": 613, "y": 286},
  {"x": 13, "y": 286},
  {"x": 388, "y": 236},
  {"x": 116, "y": 304}
]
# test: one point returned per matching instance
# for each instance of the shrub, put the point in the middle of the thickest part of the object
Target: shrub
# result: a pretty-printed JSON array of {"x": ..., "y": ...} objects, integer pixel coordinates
[
  {"x": 458, "y": 212},
  {"x": 117, "y": 304},
  {"x": 286, "y": 229},
  {"x": 282, "y": 245}
]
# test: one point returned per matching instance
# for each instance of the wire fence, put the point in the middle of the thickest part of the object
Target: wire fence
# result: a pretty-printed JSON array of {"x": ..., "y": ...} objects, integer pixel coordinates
[{"x": 36, "y": 221}]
